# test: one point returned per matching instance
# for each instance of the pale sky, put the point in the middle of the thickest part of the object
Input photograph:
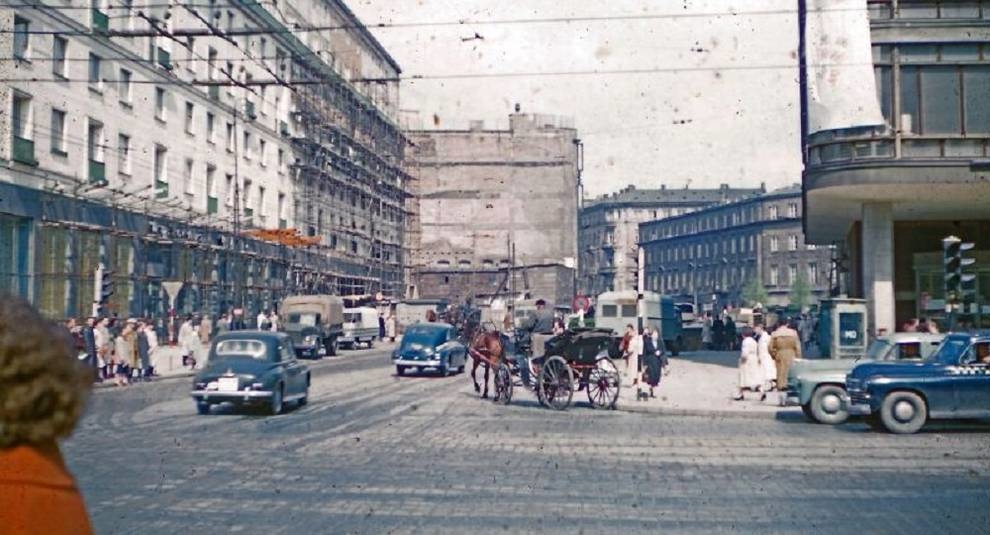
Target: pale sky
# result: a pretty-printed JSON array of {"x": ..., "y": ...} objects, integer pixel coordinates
[{"x": 730, "y": 117}]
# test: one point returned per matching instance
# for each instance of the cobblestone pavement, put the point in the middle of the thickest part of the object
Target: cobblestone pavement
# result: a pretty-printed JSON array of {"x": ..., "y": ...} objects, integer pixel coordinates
[{"x": 374, "y": 453}]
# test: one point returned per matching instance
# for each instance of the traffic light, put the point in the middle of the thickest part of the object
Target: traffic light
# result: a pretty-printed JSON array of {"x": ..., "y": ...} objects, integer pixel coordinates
[
  {"x": 959, "y": 285},
  {"x": 104, "y": 285}
]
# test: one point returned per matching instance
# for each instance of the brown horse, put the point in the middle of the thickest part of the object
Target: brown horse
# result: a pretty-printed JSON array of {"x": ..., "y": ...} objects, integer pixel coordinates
[{"x": 485, "y": 348}]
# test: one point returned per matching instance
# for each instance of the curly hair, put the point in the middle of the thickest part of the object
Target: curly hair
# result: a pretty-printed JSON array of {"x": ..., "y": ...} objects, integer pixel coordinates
[{"x": 43, "y": 387}]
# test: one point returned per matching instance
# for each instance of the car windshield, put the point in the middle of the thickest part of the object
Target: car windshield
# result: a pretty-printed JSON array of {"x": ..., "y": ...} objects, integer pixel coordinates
[
  {"x": 419, "y": 337},
  {"x": 352, "y": 317},
  {"x": 877, "y": 350},
  {"x": 950, "y": 350},
  {"x": 254, "y": 349},
  {"x": 307, "y": 319}
]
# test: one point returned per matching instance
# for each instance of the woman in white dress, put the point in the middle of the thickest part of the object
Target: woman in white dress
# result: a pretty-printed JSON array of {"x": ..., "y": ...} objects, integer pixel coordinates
[
  {"x": 750, "y": 373},
  {"x": 767, "y": 364},
  {"x": 634, "y": 352}
]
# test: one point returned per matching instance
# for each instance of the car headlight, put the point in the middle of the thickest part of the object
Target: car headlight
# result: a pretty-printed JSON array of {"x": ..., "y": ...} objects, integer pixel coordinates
[
  {"x": 428, "y": 351},
  {"x": 310, "y": 340},
  {"x": 854, "y": 384}
]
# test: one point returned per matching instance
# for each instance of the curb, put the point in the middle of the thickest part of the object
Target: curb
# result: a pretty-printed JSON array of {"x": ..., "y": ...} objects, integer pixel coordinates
[
  {"x": 665, "y": 411},
  {"x": 108, "y": 384}
]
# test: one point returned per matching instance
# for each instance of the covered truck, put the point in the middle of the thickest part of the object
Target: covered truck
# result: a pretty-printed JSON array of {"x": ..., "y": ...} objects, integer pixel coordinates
[{"x": 314, "y": 323}]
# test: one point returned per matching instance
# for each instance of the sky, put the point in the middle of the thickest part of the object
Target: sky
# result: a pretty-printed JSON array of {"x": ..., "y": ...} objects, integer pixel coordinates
[{"x": 712, "y": 99}]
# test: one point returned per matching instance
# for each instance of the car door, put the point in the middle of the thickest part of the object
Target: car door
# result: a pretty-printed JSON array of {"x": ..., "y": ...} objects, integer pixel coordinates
[
  {"x": 971, "y": 381},
  {"x": 293, "y": 378}
]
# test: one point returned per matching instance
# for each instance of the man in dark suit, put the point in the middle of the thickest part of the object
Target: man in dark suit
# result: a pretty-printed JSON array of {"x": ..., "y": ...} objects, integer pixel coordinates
[{"x": 89, "y": 340}]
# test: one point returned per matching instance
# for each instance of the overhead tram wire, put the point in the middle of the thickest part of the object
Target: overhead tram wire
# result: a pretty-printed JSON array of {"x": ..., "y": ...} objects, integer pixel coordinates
[
  {"x": 464, "y": 76},
  {"x": 427, "y": 24}
]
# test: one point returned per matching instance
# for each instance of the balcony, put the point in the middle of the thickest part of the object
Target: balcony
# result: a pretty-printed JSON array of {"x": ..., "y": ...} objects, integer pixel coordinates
[
  {"x": 213, "y": 91},
  {"x": 101, "y": 22},
  {"x": 212, "y": 205},
  {"x": 23, "y": 151},
  {"x": 164, "y": 59},
  {"x": 97, "y": 172}
]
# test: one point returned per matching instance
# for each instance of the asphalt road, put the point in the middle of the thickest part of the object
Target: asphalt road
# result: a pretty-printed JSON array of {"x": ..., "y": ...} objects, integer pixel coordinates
[{"x": 375, "y": 453}]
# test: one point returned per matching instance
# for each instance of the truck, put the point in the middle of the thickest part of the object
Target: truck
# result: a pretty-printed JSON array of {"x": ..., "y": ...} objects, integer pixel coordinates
[
  {"x": 615, "y": 310},
  {"x": 413, "y": 311},
  {"x": 314, "y": 323},
  {"x": 360, "y": 327}
]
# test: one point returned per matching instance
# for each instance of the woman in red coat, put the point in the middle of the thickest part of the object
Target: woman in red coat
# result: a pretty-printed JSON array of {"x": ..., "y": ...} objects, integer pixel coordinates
[{"x": 43, "y": 389}]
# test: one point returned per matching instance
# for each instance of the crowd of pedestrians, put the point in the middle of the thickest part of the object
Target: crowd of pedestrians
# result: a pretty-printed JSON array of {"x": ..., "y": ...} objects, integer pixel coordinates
[
  {"x": 765, "y": 358},
  {"x": 116, "y": 350},
  {"x": 645, "y": 360}
]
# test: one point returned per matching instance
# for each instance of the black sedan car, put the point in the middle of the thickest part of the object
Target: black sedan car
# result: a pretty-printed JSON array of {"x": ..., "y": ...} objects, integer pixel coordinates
[
  {"x": 430, "y": 345},
  {"x": 251, "y": 368}
]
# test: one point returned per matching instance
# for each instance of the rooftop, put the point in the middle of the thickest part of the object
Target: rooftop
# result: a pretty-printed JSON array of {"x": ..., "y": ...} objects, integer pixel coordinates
[{"x": 630, "y": 195}]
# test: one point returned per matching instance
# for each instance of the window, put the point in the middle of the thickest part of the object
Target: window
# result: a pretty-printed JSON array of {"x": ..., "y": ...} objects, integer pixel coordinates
[
  {"x": 190, "y": 112},
  {"x": 281, "y": 209},
  {"x": 211, "y": 64},
  {"x": 230, "y": 137},
  {"x": 210, "y": 126},
  {"x": 124, "y": 86},
  {"x": 190, "y": 52},
  {"x": 774, "y": 245},
  {"x": 774, "y": 276},
  {"x": 211, "y": 185},
  {"x": 187, "y": 177},
  {"x": 161, "y": 172},
  {"x": 22, "y": 125},
  {"x": 58, "y": 132},
  {"x": 124, "y": 154},
  {"x": 229, "y": 190},
  {"x": 21, "y": 33},
  {"x": 261, "y": 201},
  {"x": 247, "y": 145},
  {"x": 976, "y": 83},
  {"x": 95, "y": 66},
  {"x": 792, "y": 242},
  {"x": 792, "y": 210},
  {"x": 160, "y": 104},
  {"x": 262, "y": 152},
  {"x": 792, "y": 271},
  {"x": 246, "y": 198},
  {"x": 281, "y": 160},
  {"x": 773, "y": 211},
  {"x": 60, "y": 47},
  {"x": 813, "y": 273},
  {"x": 94, "y": 151}
]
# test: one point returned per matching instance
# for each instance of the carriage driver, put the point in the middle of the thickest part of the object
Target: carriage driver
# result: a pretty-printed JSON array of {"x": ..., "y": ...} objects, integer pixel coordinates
[{"x": 540, "y": 328}]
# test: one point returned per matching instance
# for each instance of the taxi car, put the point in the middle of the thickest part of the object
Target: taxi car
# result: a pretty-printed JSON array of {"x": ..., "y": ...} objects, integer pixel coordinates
[{"x": 430, "y": 346}]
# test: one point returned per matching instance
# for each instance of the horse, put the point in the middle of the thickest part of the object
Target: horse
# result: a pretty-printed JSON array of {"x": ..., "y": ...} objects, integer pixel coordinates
[{"x": 485, "y": 348}]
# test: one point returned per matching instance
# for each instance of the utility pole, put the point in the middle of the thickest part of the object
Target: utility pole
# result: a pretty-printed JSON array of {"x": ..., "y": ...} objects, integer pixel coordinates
[
  {"x": 236, "y": 241},
  {"x": 803, "y": 88}
]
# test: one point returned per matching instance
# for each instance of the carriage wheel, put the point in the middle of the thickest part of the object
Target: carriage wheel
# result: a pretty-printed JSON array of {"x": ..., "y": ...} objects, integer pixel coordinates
[
  {"x": 603, "y": 384},
  {"x": 503, "y": 384},
  {"x": 556, "y": 383}
]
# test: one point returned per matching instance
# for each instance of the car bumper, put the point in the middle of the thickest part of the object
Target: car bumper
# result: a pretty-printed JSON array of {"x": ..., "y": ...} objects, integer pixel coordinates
[
  {"x": 307, "y": 351},
  {"x": 418, "y": 363},
  {"x": 240, "y": 395},
  {"x": 857, "y": 408},
  {"x": 792, "y": 398}
]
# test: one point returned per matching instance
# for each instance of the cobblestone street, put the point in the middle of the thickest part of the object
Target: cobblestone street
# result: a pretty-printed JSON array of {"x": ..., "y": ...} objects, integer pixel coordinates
[{"x": 374, "y": 453}]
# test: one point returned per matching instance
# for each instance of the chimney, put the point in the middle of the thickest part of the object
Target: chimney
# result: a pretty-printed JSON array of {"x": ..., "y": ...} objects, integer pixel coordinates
[{"x": 763, "y": 187}]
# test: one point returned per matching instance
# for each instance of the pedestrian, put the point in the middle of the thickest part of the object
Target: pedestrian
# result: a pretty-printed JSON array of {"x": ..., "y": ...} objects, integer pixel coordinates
[
  {"x": 627, "y": 337},
  {"x": 910, "y": 326},
  {"x": 767, "y": 365},
  {"x": 390, "y": 326},
  {"x": 933, "y": 327},
  {"x": 125, "y": 354},
  {"x": 223, "y": 324},
  {"x": 750, "y": 373},
  {"x": 540, "y": 327},
  {"x": 152, "y": 335},
  {"x": 189, "y": 342},
  {"x": 261, "y": 321},
  {"x": 634, "y": 353},
  {"x": 718, "y": 329},
  {"x": 104, "y": 347},
  {"x": 273, "y": 322},
  {"x": 729, "y": 333},
  {"x": 706, "y": 331},
  {"x": 143, "y": 351},
  {"x": 205, "y": 330},
  {"x": 654, "y": 362},
  {"x": 43, "y": 391},
  {"x": 237, "y": 322},
  {"x": 806, "y": 329},
  {"x": 381, "y": 327},
  {"x": 92, "y": 357},
  {"x": 785, "y": 346}
]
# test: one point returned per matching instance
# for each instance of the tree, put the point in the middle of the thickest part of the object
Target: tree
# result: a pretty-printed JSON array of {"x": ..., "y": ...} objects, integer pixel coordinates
[
  {"x": 800, "y": 296},
  {"x": 754, "y": 292}
]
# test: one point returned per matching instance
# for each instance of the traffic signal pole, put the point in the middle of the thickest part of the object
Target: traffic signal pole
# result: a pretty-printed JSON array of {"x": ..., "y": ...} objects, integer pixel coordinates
[{"x": 958, "y": 282}]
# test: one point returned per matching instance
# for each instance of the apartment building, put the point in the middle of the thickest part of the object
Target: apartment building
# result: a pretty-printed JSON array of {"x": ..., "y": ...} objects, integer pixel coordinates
[{"x": 150, "y": 140}]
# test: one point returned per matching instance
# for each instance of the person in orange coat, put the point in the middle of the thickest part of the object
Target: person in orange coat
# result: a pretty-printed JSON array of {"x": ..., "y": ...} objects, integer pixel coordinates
[{"x": 43, "y": 390}]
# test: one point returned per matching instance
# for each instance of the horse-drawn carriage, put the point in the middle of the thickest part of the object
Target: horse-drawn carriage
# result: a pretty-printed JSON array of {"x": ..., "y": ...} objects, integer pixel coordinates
[{"x": 575, "y": 360}]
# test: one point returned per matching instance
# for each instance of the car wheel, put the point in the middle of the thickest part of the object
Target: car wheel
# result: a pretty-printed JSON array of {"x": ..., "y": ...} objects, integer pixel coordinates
[
  {"x": 371, "y": 343},
  {"x": 903, "y": 412},
  {"x": 400, "y": 370},
  {"x": 332, "y": 347},
  {"x": 826, "y": 405},
  {"x": 444, "y": 370},
  {"x": 202, "y": 408},
  {"x": 275, "y": 402}
]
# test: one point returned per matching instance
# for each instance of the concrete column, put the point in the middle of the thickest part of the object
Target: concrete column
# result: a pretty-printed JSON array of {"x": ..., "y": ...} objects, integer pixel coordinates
[{"x": 878, "y": 265}]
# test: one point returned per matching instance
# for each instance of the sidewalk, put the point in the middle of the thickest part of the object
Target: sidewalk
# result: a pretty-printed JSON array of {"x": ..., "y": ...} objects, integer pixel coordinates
[
  {"x": 167, "y": 362},
  {"x": 703, "y": 383}
]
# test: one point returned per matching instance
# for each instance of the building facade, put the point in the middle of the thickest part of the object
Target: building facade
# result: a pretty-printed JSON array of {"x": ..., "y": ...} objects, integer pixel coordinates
[
  {"x": 709, "y": 256},
  {"x": 495, "y": 201},
  {"x": 608, "y": 229},
  {"x": 889, "y": 194},
  {"x": 151, "y": 140}
]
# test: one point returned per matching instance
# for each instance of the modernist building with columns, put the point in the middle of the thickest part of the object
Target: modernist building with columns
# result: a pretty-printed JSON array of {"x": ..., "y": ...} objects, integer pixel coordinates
[{"x": 888, "y": 193}]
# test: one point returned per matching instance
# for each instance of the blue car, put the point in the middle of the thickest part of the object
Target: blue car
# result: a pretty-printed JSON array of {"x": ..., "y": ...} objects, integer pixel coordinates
[
  {"x": 430, "y": 346},
  {"x": 902, "y": 396}
]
